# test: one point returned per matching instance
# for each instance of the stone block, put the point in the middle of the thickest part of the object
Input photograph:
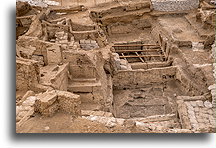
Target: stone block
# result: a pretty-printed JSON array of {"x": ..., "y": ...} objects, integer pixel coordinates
[
  {"x": 69, "y": 102},
  {"x": 49, "y": 111},
  {"x": 45, "y": 100}
]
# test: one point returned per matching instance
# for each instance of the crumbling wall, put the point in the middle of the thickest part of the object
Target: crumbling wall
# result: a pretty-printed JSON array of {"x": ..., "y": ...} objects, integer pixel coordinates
[
  {"x": 123, "y": 19},
  {"x": 139, "y": 78},
  {"x": 70, "y": 32},
  {"x": 22, "y": 8},
  {"x": 189, "y": 85},
  {"x": 88, "y": 78},
  {"x": 51, "y": 52},
  {"x": 81, "y": 64},
  {"x": 122, "y": 9},
  {"x": 27, "y": 74},
  {"x": 54, "y": 54},
  {"x": 25, "y": 110},
  {"x": 130, "y": 27},
  {"x": 55, "y": 76},
  {"x": 207, "y": 17},
  {"x": 50, "y": 102},
  {"x": 60, "y": 81},
  {"x": 35, "y": 29},
  {"x": 80, "y": 27}
]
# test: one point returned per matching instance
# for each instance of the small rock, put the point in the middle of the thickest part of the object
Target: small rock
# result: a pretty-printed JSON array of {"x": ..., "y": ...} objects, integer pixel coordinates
[
  {"x": 123, "y": 67},
  {"x": 207, "y": 104},
  {"x": 193, "y": 103},
  {"x": 46, "y": 128},
  {"x": 123, "y": 62},
  {"x": 199, "y": 103},
  {"x": 212, "y": 87}
]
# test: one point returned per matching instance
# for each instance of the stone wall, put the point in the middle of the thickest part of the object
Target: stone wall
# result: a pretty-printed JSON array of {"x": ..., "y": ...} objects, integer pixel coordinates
[
  {"x": 174, "y": 5},
  {"x": 139, "y": 78}
]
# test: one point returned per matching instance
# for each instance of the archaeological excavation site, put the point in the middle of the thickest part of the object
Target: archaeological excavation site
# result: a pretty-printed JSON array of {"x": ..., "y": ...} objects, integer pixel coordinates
[{"x": 115, "y": 66}]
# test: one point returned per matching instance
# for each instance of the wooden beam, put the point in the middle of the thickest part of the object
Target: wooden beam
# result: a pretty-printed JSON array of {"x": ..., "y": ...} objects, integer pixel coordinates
[
  {"x": 135, "y": 56},
  {"x": 167, "y": 50},
  {"x": 160, "y": 40},
  {"x": 140, "y": 57},
  {"x": 145, "y": 50},
  {"x": 123, "y": 56},
  {"x": 135, "y": 45},
  {"x": 25, "y": 17}
]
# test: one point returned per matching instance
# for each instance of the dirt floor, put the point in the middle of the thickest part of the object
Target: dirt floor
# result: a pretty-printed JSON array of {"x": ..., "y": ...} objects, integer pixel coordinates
[
  {"x": 65, "y": 123},
  {"x": 181, "y": 30},
  {"x": 156, "y": 99}
]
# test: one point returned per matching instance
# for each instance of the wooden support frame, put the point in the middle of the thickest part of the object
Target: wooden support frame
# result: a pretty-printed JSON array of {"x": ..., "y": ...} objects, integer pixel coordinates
[
  {"x": 145, "y": 52},
  {"x": 25, "y": 17},
  {"x": 137, "y": 56},
  {"x": 140, "y": 57},
  {"x": 135, "y": 45},
  {"x": 123, "y": 56}
]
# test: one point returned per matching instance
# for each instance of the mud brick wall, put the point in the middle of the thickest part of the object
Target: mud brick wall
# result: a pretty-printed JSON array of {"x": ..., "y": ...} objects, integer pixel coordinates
[
  {"x": 174, "y": 5},
  {"x": 139, "y": 78},
  {"x": 60, "y": 80},
  {"x": 69, "y": 102},
  {"x": 27, "y": 73},
  {"x": 49, "y": 103}
]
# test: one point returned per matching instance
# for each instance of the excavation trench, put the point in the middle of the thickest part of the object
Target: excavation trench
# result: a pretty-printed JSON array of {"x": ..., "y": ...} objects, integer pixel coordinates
[{"x": 120, "y": 61}]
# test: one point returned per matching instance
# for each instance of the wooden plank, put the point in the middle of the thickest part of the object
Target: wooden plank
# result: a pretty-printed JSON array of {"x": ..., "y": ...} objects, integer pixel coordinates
[
  {"x": 167, "y": 50},
  {"x": 140, "y": 58},
  {"x": 25, "y": 17},
  {"x": 123, "y": 56},
  {"x": 135, "y": 56},
  {"x": 145, "y": 50},
  {"x": 135, "y": 45},
  {"x": 163, "y": 48},
  {"x": 160, "y": 40}
]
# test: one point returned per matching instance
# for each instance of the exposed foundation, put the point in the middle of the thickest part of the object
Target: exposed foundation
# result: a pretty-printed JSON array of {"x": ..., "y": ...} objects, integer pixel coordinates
[{"x": 124, "y": 65}]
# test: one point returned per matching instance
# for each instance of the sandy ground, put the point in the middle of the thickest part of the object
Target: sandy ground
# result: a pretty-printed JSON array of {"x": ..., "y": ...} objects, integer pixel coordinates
[{"x": 65, "y": 123}]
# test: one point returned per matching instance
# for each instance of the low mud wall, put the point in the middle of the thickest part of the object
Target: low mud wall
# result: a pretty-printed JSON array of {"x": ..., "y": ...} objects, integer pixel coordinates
[{"x": 139, "y": 78}]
